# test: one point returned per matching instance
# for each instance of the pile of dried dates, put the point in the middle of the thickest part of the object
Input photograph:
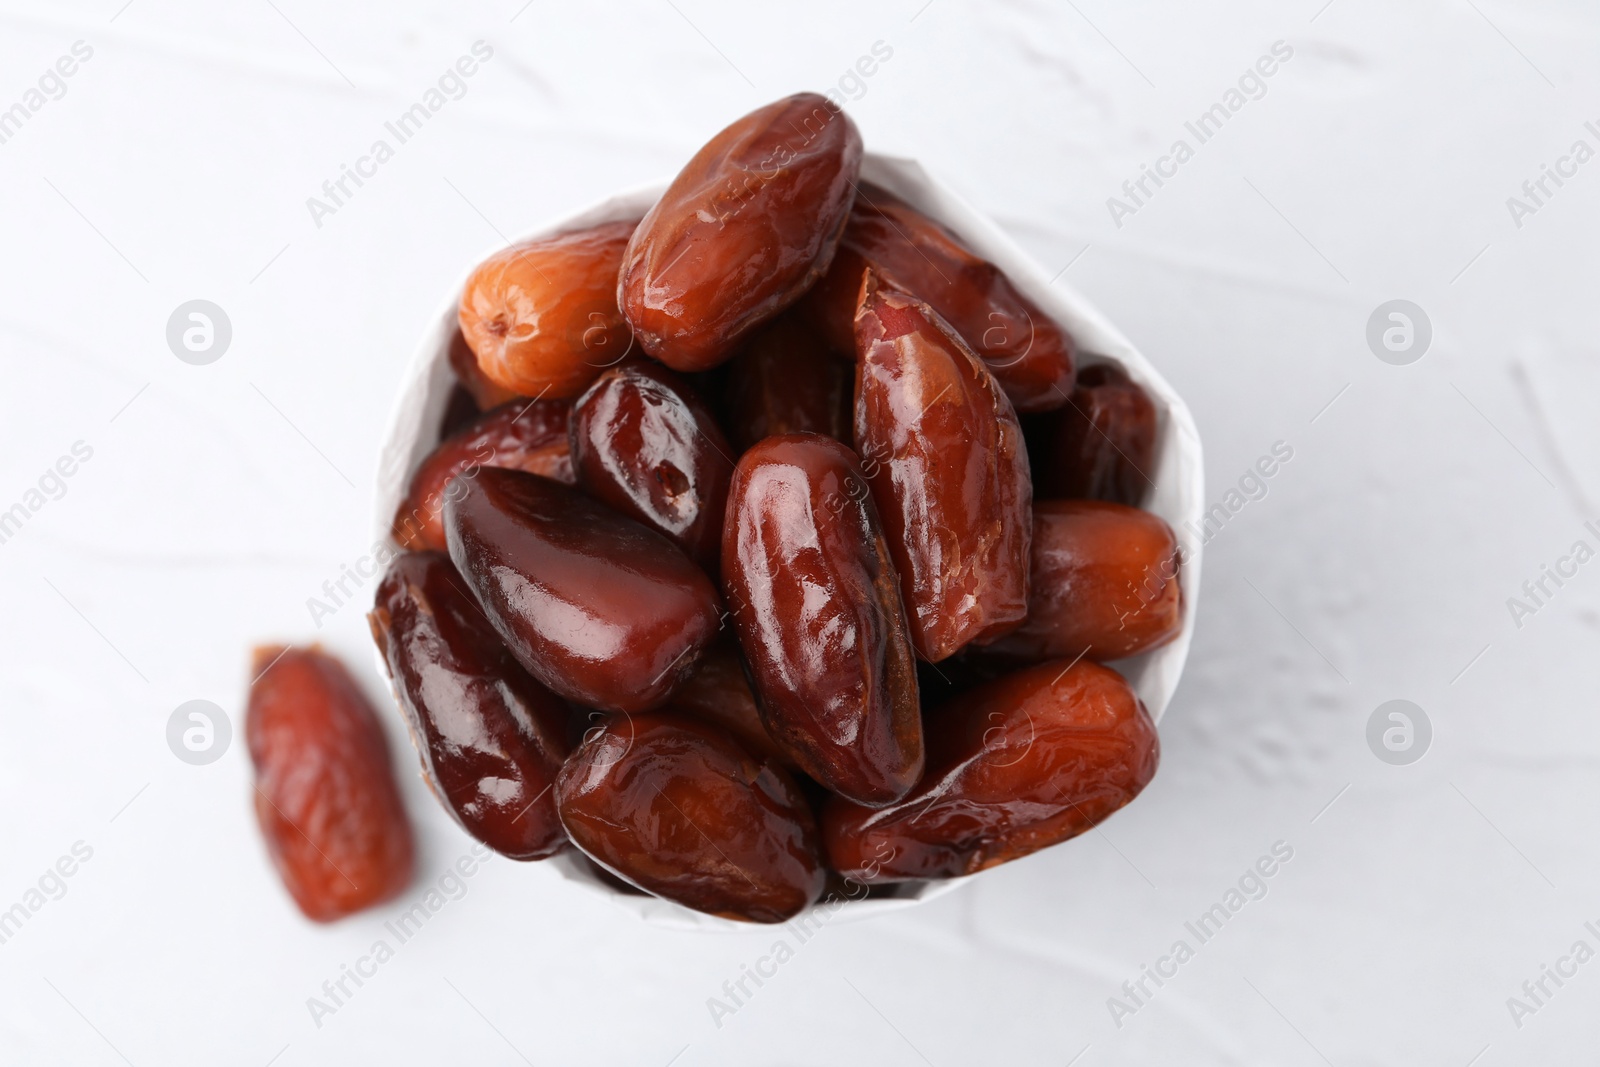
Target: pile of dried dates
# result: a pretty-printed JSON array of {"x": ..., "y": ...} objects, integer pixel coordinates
[{"x": 774, "y": 543}]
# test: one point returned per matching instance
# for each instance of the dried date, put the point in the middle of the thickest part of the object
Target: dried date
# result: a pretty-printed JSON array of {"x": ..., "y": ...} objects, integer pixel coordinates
[
  {"x": 816, "y": 607},
  {"x": 682, "y": 811},
  {"x": 491, "y": 739},
  {"x": 325, "y": 794},
  {"x": 600, "y": 609},
  {"x": 944, "y": 456},
  {"x": 743, "y": 230},
  {"x": 1016, "y": 765}
]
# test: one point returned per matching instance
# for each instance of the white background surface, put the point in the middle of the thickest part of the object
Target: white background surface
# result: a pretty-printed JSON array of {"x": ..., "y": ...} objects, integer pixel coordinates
[{"x": 220, "y": 498}]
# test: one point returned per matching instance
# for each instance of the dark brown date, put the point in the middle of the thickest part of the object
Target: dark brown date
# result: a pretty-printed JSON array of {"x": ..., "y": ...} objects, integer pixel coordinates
[
  {"x": 1105, "y": 583},
  {"x": 786, "y": 380},
  {"x": 325, "y": 794},
  {"x": 816, "y": 606},
  {"x": 542, "y": 316},
  {"x": 602, "y": 610},
  {"x": 491, "y": 739},
  {"x": 684, "y": 812},
  {"x": 644, "y": 443},
  {"x": 944, "y": 456},
  {"x": 718, "y": 693},
  {"x": 459, "y": 410},
  {"x": 527, "y": 435},
  {"x": 1014, "y": 766},
  {"x": 743, "y": 230},
  {"x": 1028, "y": 353},
  {"x": 1102, "y": 445}
]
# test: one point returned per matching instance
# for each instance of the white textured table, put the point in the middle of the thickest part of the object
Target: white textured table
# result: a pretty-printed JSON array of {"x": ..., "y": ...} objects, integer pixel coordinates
[{"x": 207, "y": 504}]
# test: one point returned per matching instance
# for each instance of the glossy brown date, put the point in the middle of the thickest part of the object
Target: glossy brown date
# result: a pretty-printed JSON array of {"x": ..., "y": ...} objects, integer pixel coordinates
[
  {"x": 602, "y": 610},
  {"x": 743, "y": 230},
  {"x": 1027, "y": 352},
  {"x": 816, "y": 607},
  {"x": 944, "y": 456},
  {"x": 1105, "y": 583},
  {"x": 682, "y": 811},
  {"x": 645, "y": 444},
  {"x": 542, "y": 316},
  {"x": 491, "y": 739},
  {"x": 1014, "y": 766},
  {"x": 1102, "y": 445},
  {"x": 325, "y": 793},
  {"x": 527, "y": 435},
  {"x": 718, "y": 693},
  {"x": 786, "y": 380}
]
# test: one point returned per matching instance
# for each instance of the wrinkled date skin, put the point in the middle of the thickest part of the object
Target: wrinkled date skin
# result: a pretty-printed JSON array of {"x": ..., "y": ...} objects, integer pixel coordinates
[
  {"x": 718, "y": 693},
  {"x": 944, "y": 456},
  {"x": 602, "y": 610},
  {"x": 645, "y": 444},
  {"x": 542, "y": 316},
  {"x": 1102, "y": 445},
  {"x": 1026, "y": 351},
  {"x": 325, "y": 793},
  {"x": 807, "y": 576},
  {"x": 741, "y": 233},
  {"x": 1014, "y": 766},
  {"x": 491, "y": 739},
  {"x": 1105, "y": 583},
  {"x": 526, "y": 435},
  {"x": 682, "y": 811},
  {"x": 787, "y": 381},
  {"x": 464, "y": 362}
]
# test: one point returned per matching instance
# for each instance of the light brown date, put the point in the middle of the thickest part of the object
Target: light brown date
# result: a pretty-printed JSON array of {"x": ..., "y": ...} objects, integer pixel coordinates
[
  {"x": 542, "y": 316},
  {"x": 464, "y": 361}
]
